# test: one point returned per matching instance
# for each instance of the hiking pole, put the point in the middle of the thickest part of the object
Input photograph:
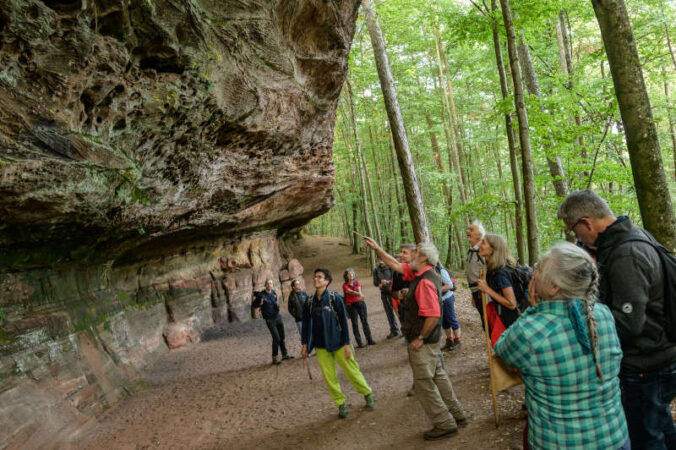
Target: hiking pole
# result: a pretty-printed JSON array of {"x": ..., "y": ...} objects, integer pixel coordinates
[
  {"x": 489, "y": 350},
  {"x": 307, "y": 366}
]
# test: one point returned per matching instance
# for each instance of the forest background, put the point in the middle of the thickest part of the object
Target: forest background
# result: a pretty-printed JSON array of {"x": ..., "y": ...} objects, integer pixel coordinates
[{"x": 445, "y": 67}]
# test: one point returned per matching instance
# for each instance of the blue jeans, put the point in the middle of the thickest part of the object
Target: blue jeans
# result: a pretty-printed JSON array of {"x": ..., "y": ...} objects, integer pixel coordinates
[
  {"x": 358, "y": 310},
  {"x": 449, "y": 319},
  {"x": 646, "y": 397},
  {"x": 389, "y": 311}
]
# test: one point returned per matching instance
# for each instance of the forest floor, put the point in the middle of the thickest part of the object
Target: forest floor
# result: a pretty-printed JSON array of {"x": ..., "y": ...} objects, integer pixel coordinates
[{"x": 224, "y": 392}]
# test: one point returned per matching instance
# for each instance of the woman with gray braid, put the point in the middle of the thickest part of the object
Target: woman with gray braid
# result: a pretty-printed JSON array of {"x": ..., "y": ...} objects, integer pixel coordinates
[{"x": 566, "y": 348}]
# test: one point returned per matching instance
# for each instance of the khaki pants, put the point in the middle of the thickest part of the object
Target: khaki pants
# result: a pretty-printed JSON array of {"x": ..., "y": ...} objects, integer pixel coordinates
[{"x": 433, "y": 388}]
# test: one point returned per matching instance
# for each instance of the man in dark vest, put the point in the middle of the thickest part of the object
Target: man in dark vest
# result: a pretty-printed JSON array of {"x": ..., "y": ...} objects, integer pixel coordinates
[{"x": 422, "y": 329}]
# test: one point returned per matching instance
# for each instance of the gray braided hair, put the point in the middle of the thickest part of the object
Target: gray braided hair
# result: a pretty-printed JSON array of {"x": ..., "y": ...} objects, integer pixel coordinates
[{"x": 574, "y": 272}]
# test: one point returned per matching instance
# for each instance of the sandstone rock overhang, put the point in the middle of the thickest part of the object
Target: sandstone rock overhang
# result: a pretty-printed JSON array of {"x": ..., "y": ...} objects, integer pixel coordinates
[{"x": 138, "y": 125}]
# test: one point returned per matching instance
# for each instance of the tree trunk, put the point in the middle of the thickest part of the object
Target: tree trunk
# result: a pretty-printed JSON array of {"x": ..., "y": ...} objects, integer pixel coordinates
[
  {"x": 362, "y": 161},
  {"x": 462, "y": 188},
  {"x": 524, "y": 136},
  {"x": 533, "y": 86},
  {"x": 511, "y": 142},
  {"x": 666, "y": 32},
  {"x": 650, "y": 181},
  {"x": 414, "y": 200},
  {"x": 360, "y": 172},
  {"x": 672, "y": 125}
]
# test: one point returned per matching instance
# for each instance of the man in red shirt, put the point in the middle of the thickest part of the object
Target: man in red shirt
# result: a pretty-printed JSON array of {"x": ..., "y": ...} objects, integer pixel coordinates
[{"x": 422, "y": 329}]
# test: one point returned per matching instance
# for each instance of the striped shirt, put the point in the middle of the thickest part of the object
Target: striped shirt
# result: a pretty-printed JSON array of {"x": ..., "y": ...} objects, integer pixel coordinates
[{"x": 568, "y": 406}]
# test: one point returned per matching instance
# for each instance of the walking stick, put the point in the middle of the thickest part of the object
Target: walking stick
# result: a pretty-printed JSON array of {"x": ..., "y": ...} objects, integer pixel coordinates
[{"x": 489, "y": 351}]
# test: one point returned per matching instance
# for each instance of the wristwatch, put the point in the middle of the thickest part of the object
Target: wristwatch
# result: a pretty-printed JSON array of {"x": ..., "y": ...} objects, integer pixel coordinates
[{"x": 421, "y": 337}]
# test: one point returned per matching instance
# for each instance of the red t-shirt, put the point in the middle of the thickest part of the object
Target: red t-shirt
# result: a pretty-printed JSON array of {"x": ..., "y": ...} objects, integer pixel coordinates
[
  {"x": 425, "y": 294},
  {"x": 351, "y": 298}
]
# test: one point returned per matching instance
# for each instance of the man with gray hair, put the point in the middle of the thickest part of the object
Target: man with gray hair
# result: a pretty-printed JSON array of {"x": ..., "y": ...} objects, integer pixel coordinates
[
  {"x": 475, "y": 263},
  {"x": 421, "y": 327},
  {"x": 632, "y": 285}
]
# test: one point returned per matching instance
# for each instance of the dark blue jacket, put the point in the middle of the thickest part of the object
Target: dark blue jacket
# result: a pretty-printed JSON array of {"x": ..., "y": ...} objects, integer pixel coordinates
[
  {"x": 333, "y": 322},
  {"x": 267, "y": 303}
]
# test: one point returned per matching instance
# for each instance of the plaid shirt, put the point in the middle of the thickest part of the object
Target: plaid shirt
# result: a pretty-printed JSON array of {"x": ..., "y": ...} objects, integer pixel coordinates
[{"x": 568, "y": 406}]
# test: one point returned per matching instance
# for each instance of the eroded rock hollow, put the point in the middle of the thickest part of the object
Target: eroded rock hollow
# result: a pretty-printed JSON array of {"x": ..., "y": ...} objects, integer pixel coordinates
[{"x": 152, "y": 154}]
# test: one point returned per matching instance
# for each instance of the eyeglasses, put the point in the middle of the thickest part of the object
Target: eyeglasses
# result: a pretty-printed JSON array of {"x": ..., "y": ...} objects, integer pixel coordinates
[
  {"x": 571, "y": 230},
  {"x": 318, "y": 277}
]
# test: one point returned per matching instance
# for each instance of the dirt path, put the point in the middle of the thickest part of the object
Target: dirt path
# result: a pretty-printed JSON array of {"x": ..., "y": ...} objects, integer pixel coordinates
[{"x": 223, "y": 393}]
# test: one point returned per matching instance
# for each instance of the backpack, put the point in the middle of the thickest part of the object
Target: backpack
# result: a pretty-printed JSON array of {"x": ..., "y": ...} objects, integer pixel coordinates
[
  {"x": 521, "y": 276},
  {"x": 668, "y": 261},
  {"x": 332, "y": 302}
]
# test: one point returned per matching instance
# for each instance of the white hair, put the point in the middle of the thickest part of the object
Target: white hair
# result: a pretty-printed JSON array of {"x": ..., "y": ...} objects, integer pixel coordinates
[
  {"x": 428, "y": 249},
  {"x": 480, "y": 228}
]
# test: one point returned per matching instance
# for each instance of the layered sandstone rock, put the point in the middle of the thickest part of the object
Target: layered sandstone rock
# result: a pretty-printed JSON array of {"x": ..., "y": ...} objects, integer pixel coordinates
[{"x": 151, "y": 153}]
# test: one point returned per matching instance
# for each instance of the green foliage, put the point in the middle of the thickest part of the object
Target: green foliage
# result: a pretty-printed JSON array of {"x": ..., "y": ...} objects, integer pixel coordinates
[{"x": 576, "y": 119}]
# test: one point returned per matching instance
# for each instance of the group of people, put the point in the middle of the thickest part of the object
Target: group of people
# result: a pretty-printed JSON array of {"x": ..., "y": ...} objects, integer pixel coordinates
[{"x": 590, "y": 344}]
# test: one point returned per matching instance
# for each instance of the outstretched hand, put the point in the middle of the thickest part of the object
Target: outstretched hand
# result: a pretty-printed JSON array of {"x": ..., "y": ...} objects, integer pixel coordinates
[{"x": 371, "y": 243}]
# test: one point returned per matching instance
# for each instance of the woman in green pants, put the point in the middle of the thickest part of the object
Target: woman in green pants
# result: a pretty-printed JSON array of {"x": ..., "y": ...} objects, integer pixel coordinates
[{"x": 325, "y": 329}]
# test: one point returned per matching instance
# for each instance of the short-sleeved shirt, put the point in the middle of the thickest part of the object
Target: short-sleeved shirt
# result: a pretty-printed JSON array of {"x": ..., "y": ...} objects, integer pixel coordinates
[
  {"x": 498, "y": 280},
  {"x": 425, "y": 293},
  {"x": 568, "y": 406},
  {"x": 351, "y": 298},
  {"x": 448, "y": 281}
]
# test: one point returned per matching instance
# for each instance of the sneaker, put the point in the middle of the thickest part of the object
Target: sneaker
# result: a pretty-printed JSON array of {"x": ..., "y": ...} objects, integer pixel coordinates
[
  {"x": 372, "y": 342},
  {"x": 360, "y": 345},
  {"x": 370, "y": 402},
  {"x": 342, "y": 411},
  {"x": 439, "y": 433},
  {"x": 276, "y": 361},
  {"x": 457, "y": 346},
  {"x": 449, "y": 345},
  {"x": 392, "y": 335},
  {"x": 411, "y": 392},
  {"x": 287, "y": 357}
]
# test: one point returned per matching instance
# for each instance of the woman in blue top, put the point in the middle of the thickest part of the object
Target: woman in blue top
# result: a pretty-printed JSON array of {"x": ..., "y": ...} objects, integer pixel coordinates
[{"x": 566, "y": 348}]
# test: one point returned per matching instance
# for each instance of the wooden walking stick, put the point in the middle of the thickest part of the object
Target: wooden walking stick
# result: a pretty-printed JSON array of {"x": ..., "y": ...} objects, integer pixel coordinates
[{"x": 489, "y": 350}]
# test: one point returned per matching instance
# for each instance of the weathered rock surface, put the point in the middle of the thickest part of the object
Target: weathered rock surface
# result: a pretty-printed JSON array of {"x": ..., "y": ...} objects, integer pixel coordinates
[{"x": 151, "y": 154}]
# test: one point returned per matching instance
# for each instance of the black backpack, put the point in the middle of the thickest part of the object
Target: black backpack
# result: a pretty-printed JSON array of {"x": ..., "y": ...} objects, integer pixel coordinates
[
  {"x": 521, "y": 276},
  {"x": 668, "y": 261}
]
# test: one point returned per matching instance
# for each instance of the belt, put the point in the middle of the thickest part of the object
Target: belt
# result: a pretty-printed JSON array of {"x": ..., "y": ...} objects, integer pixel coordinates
[{"x": 473, "y": 284}]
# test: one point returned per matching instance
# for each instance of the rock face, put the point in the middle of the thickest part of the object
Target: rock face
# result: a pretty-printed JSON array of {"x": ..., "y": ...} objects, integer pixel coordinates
[{"x": 151, "y": 153}]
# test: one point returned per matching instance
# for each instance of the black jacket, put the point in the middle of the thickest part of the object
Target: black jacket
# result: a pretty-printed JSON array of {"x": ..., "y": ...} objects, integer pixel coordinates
[
  {"x": 632, "y": 285},
  {"x": 380, "y": 274},
  {"x": 296, "y": 302}
]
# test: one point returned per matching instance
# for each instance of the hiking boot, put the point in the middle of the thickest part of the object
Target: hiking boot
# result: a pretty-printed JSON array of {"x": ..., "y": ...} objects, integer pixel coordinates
[
  {"x": 370, "y": 402},
  {"x": 449, "y": 345},
  {"x": 411, "y": 392},
  {"x": 276, "y": 361},
  {"x": 392, "y": 335},
  {"x": 342, "y": 411},
  {"x": 360, "y": 345},
  {"x": 462, "y": 421},
  {"x": 372, "y": 342},
  {"x": 439, "y": 433},
  {"x": 287, "y": 357},
  {"x": 457, "y": 346}
]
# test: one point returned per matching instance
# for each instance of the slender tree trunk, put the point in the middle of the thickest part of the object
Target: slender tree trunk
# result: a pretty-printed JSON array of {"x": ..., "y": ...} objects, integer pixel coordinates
[
  {"x": 672, "y": 124},
  {"x": 524, "y": 136},
  {"x": 414, "y": 200},
  {"x": 650, "y": 181},
  {"x": 400, "y": 203},
  {"x": 666, "y": 32},
  {"x": 533, "y": 86},
  {"x": 360, "y": 169},
  {"x": 362, "y": 161},
  {"x": 511, "y": 142},
  {"x": 566, "y": 58},
  {"x": 462, "y": 188}
]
